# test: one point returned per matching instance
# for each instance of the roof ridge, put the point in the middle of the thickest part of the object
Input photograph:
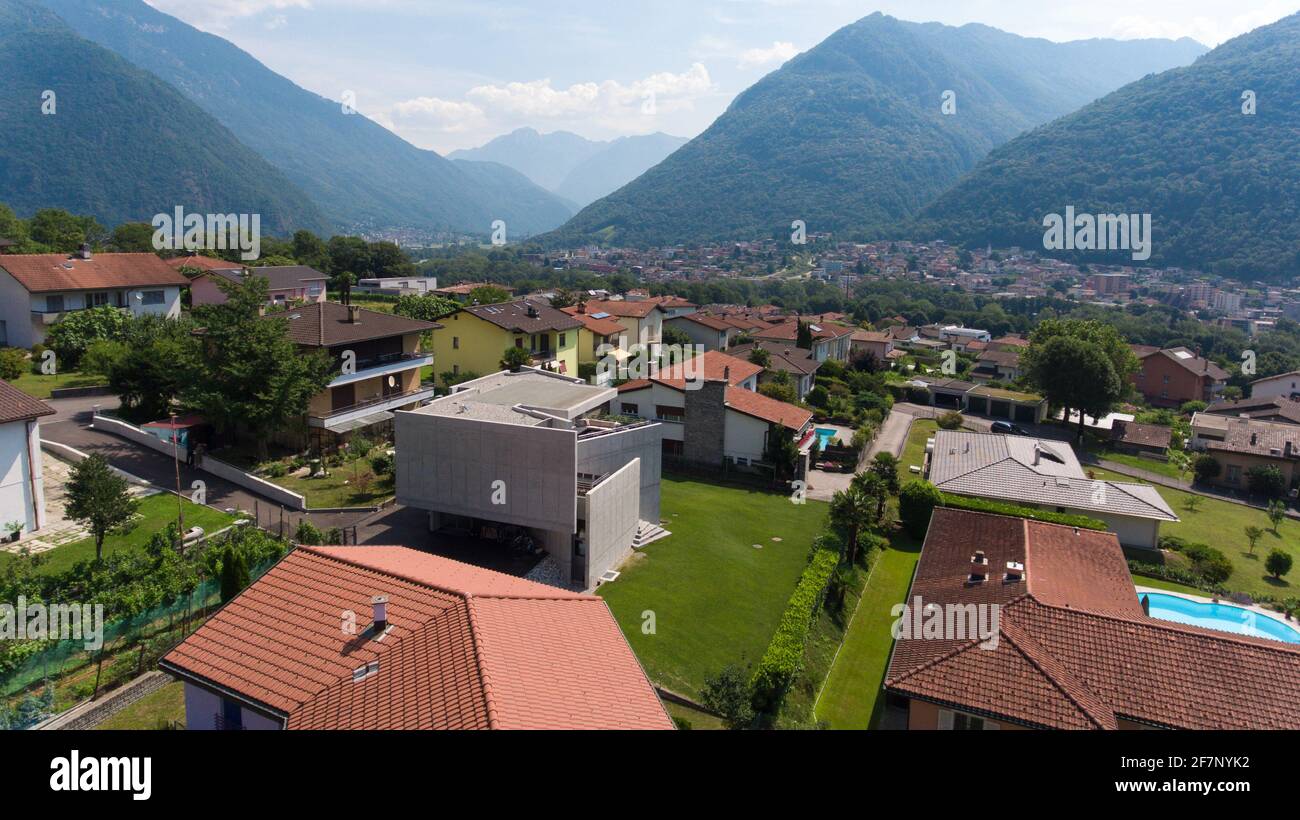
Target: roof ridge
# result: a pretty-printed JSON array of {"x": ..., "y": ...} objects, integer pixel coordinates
[
  {"x": 480, "y": 664},
  {"x": 1031, "y": 650},
  {"x": 1122, "y": 485},
  {"x": 938, "y": 659}
]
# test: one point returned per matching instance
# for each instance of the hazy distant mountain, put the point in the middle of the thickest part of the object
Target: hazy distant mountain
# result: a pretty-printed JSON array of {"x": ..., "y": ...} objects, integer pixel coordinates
[
  {"x": 120, "y": 145},
  {"x": 851, "y": 136},
  {"x": 358, "y": 172},
  {"x": 576, "y": 168},
  {"x": 1222, "y": 187}
]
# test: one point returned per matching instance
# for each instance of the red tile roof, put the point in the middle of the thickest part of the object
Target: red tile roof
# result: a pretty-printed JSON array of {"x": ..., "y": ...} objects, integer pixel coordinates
[
  {"x": 715, "y": 367},
  {"x": 622, "y": 307},
  {"x": 601, "y": 327},
  {"x": 201, "y": 263},
  {"x": 1075, "y": 649},
  {"x": 53, "y": 272},
  {"x": 15, "y": 405},
  {"x": 768, "y": 409},
  {"x": 467, "y": 648}
]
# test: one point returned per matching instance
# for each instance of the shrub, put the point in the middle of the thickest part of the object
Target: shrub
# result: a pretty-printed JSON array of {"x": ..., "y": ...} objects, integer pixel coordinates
[
  {"x": 1278, "y": 564},
  {"x": 1191, "y": 408},
  {"x": 728, "y": 693},
  {"x": 1083, "y": 522},
  {"x": 1208, "y": 562},
  {"x": 783, "y": 658},
  {"x": 1207, "y": 468},
  {"x": 13, "y": 363},
  {"x": 951, "y": 421},
  {"x": 1266, "y": 480},
  {"x": 382, "y": 464},
  {"x": 916, "y": 502},
  {"x": 102, "y": 355}
]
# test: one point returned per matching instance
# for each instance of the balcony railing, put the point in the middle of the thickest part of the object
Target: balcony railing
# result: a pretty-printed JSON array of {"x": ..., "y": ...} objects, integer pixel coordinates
[
  {"x": 376, "y": 362},
  {"x": 408, "y": 396}
]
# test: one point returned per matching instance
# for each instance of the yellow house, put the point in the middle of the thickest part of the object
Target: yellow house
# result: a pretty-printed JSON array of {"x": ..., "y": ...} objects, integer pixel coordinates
[
  {"x": 595, "y": 335},
  {"x": 473, "y": 339}
]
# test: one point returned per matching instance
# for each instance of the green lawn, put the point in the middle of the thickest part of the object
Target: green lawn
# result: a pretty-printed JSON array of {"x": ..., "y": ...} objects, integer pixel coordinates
[
  {"x": 715, "y": 599},
  {"x": 1163, "y": 468},
  {"x": 696, "y": 718},
  {"x": 1168, "y": 586},
  {"x": 343, "y": 487},
  {"x": 40, "y": 386},
  {"x": 153, "y": 711},
  {"x": 1221, "y": 524},
  {"x": 851, "y": 696},
  {"x": 914, "y": 450},
  {"x": 155, "y": 513}
]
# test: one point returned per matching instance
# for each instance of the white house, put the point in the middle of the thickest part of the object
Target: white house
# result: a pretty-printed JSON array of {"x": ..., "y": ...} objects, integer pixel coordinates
[
  {"x": 22, "y": 490},
  {"x": 1284, "y": 386},
  {"x": 38, "y": 290}
]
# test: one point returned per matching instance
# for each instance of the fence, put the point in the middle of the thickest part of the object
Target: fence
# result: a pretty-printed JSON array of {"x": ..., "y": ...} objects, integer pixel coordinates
[
  {"x": 759, "y": 477},
  {"x": 129, "y": 431},
  {"x": 176, "y": 619}
]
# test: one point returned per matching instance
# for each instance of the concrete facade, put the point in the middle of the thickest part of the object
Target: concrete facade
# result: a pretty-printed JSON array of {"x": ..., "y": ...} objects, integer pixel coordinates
[{"x": 706, "y": 435}]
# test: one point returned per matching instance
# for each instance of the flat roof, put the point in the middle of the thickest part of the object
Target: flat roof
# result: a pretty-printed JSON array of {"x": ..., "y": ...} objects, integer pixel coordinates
[{"x": 504, "y": 396}]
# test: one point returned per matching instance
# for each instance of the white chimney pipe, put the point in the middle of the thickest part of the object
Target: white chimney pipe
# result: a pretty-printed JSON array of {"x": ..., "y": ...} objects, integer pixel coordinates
[{"x": 380, "y": 603}]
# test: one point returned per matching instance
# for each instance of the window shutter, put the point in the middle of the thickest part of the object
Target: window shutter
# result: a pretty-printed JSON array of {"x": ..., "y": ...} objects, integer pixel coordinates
[{"x": 945, "y": 720}]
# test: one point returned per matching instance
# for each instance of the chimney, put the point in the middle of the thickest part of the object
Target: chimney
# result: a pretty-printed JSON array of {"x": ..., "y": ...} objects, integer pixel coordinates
[
  {"x": 726, "y": 374},
  {"x": 84, "y": 253},
  {"x": 354, "y": 314},
  {"x": 1038, "y": 454},
  {"x": 1015, "y": 572},
  {"x": 380, "y": 603}
]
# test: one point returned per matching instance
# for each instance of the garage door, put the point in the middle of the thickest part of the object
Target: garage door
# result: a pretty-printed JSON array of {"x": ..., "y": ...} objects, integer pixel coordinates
[
  {"x": 1001, "y": 410},
  {"x": 979, "y": 405},
  {"x": 1026, "y": 414}
]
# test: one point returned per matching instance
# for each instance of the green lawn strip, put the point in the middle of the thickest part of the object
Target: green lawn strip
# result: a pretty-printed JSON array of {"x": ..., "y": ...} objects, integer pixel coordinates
[
  {"x": 851, "y": 697},
  {"x": 914, "y": 451},
  {"x": 824, "y": 641},
  {"x": 1221, "y": 524},
  {"x": 156, "y": 512},
  {"x": 694, "y": 717},
  {"x": 342, "y": 487},
  {"x": 1168, "y": 586},
  {"x": 155, "y": 710},
  {"x": 715, "y": 599},
  {"x": 39, "y": 386}
]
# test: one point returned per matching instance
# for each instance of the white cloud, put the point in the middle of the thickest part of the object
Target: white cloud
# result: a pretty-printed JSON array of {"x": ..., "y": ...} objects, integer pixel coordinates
[
  {"x": 217, "y": 15},
  {"x": 777, "y": 54}
]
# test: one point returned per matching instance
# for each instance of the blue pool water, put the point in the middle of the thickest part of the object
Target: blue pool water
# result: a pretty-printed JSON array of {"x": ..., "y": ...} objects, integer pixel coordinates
[
  {"x": 825, "y": 437},
  {"x": 1223, "y": 617}
]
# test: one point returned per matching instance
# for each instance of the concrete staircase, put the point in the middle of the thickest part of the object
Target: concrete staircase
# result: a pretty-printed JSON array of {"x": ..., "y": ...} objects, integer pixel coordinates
[{"x": 647, "y": 533}]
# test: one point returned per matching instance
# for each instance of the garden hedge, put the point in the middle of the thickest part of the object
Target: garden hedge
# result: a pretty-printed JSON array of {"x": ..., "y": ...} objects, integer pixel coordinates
[{"x": 961, "y": 502}]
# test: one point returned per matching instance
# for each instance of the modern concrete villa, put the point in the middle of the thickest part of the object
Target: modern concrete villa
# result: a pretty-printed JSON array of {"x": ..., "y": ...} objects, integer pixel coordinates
[{"x": 529, "y": 450}]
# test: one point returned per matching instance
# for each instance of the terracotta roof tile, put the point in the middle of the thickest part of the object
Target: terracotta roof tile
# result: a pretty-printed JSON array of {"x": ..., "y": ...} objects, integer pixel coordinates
[
  {"x": 51, "y": 272},
  {"x": 467, "y": 649},
  {"x": 15, "y": 405}
]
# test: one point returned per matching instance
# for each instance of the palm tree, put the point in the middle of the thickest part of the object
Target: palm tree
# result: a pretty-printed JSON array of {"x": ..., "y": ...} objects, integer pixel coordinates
[
  {"x": 851, "y": 512},
  {"x": 876, "y": 488}
]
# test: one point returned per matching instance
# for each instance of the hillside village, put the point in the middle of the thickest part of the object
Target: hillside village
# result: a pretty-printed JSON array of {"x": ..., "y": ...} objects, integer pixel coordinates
[{"x": 515, "y": 467}]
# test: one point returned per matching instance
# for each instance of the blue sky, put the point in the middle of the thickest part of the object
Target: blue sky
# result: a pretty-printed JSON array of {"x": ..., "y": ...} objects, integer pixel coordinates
[{"x": 449, "y": 74}]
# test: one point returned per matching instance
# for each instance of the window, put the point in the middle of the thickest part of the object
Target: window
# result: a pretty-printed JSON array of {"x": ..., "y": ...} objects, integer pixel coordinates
[
  {"x": 455, "y": 343},
  {"x": 54, "y": 304},
  {"x": 97, "y": 300},
  {"x": 455, "y": 370},
  {"x": 958, "y": 722},
  {"x": 519, "y": 342},
  {"x": 151, "y": 297},
  {"x": 232, "y": 716},
  {"x": 631, "y": 409},
  {"x": 563, "y": 339}
]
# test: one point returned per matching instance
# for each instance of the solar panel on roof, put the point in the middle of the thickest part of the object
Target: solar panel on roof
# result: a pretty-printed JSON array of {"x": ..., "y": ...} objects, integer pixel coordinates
[{"x": 600, "y": 315}]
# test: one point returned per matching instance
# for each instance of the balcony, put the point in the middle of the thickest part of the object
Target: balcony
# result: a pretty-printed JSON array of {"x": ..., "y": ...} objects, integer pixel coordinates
[
  {"x": 369, "y": 411},
  {"x": 379, "y": 366}
]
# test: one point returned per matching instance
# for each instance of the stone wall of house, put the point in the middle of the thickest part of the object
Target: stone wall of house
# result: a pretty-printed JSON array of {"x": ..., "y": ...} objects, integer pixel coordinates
[{"x": 706, "y": 423}]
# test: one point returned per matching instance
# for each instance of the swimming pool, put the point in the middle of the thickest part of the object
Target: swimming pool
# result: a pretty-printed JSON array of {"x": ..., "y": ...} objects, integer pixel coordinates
[
  {"x": 825, "y": 436},
  {"x": 1223, "y": 617}
]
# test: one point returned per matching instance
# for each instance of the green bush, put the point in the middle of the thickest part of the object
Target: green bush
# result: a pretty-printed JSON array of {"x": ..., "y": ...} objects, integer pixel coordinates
[
  {"x": 951, "y": 421},
  {"x": 1278, "y": 564},
  {"x": 382, "y": 464},
  {"x": 1083, "y": 522},
  {"x": 13, "y": 363},
  {"x": 783, "y": 658},
  {"x": 1266, "y": 480},
  {"x": 1210, "y": 563},
  {"x": 1207, "y": 468},
  {"x": 915, "y": 504}
]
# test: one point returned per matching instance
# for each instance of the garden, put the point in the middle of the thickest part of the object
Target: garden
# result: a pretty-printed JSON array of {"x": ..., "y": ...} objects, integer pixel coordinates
[{"x": 358, "y": 474}]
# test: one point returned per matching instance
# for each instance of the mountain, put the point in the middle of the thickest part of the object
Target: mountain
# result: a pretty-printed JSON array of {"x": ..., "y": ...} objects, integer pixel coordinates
[
  {"x": 359, "y": 173},
  {"x": 573, "y": 167},
  {"x": 851, "y": 136},
  {"x": 1222, "y": 188},
  {"x": 121, "y": 145}
]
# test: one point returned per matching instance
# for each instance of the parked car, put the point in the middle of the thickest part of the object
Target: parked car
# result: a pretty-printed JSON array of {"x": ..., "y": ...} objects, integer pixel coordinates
[{"x": 1006, "y": 428}]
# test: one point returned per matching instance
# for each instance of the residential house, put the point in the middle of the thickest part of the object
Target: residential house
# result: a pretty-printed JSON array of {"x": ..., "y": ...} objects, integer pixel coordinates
[
  {"x": 1283, "y": 386},
  {"x": 599, "y": 341},
  {"x": 531, "y": 450},
  {"x": 796, "y": 362},
  {"x": 710, "y": 332},
  {"x": 1171, "y": 378},
  {"x": 643, "y": 321},
  {"x": 461, "y": 293},
  {"x": 877, "y": 344},
  {"x": 379, "y": 356},
  {"x": 287, "y": 285},
  {"x": 38, "y": 290},
  {"x": 1276, "y": 408},
  {"x": 958, "y": 338},
  {"x": 426, "y": 643},
  {"x": 22, "y": 487},
  {"x": 711, "y": 411},
  {"x": 1151, "y": 440},
  {"x": 474, "y": 339},
  {"x": 1072, "y": 647},
  {"x": 1044, "y": 475},
  {"x": 829, "y": 341},
  {"x": 393, "y": 286},
  {"x": 997, "y": 366},
  {"x": 675, "y": 306},
  {"x": 196, "y": 262},
  {"x": 1242, "y": 444}
]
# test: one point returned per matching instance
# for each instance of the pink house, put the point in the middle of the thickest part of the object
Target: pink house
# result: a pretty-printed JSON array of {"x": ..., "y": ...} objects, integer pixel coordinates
[{"x": 290, "y": 284}]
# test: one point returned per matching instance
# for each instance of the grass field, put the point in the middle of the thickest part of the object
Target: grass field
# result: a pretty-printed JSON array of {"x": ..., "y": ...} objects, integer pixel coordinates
[
  {"x": 715, "y": 599},
  {"x": 155, "y": 710},
  {"x": 40, "y": 386},
  {"x": 851, "y": 697},
  {"x": 155, "y": 513},
  {"x": 914, "y": 451},
  {"x": 1221, "y": 524}
]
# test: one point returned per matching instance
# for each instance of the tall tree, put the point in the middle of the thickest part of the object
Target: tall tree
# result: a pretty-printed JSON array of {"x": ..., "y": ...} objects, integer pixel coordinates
[
  {"x": 245, "y": 374},
  {"x": 1076, "y": 374},
  {"x": 98, "y": 498},
  {"x": 852, "y": 511}
]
